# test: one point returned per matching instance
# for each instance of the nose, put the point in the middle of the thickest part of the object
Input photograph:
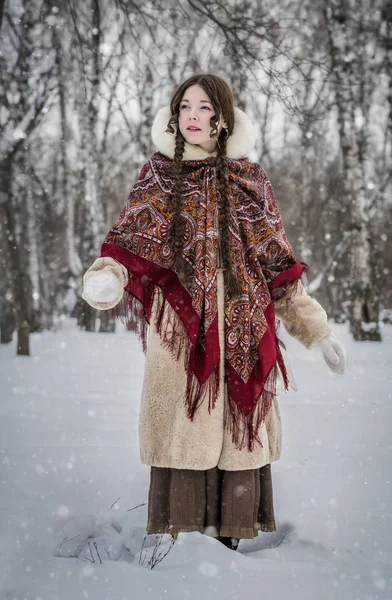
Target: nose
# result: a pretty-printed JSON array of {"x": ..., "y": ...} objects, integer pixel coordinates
[{"x": 192, "y": 116}]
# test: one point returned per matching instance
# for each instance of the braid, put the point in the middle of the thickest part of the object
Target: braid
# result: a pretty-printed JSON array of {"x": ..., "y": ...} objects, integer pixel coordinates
[
  {"x": 223, "y": 182},
  {"x": 178, "y": 231}
]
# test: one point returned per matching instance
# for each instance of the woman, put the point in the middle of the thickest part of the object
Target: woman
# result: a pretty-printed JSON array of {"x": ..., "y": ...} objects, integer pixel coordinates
[{"x": 202, "y": 255}]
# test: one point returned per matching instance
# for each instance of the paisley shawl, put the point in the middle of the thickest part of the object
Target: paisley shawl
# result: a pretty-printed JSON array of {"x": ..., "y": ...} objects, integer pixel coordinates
[{"x": 187, "y": 319}]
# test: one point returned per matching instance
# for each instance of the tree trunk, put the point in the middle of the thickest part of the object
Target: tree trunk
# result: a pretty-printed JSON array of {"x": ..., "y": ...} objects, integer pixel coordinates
[
  {"x": 85, "y": 315},
  {"x": 107, "y": 322},
  {"x": 93, "y": 227},
  {"x": 145, "y": 142},
  {"x": 387, "y": 18},
  {"x": 7, "y": 321},
  {"x": 87, "y": 213},
  {"x": 29, "y": 249},
  {"x": 74, "y": 265},
  {"x": 17, "y": 261},
  {"x": 364, "y": 304},
  {"x": 23, "y": 339}
]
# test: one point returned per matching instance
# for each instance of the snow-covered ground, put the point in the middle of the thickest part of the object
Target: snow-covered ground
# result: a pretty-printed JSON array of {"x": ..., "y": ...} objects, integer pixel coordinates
[{"x": 73, "y": 492}]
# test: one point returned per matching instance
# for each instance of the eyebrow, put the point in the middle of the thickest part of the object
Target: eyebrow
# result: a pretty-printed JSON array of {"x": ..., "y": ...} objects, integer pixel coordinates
[{"x": 201, "y": 101}]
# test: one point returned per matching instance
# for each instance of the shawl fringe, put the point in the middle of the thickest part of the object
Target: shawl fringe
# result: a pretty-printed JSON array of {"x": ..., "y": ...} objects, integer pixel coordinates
[
  {"x": 245, "y": 429},
  {"x": 197, "y": 392},
  {"x": 173, "y": 336},
  {"x": 130, "y": 311},
  {"x": 280, "y": 360}
]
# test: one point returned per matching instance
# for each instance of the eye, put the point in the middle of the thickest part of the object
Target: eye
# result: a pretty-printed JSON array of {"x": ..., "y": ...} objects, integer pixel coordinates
[
  {"x": 183, "y": 106},
  {"x": 207, "y": 107}
]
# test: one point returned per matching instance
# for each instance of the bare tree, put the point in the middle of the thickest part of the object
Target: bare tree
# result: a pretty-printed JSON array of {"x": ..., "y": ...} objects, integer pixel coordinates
[
  {"x": 88, "y": 36},
  {"x": 339, "y": 15},
  {"x": 63, "y": 63},
  {"x": 386, "y": 44},
  {"x": 26, "y": 89}
]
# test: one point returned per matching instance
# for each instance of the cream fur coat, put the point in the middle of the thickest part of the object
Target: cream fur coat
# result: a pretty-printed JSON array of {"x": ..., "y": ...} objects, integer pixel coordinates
[{"x": 167, "y": 437}]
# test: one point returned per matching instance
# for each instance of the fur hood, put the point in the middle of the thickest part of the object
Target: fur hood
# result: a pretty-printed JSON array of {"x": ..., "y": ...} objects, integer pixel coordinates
[{"x": 239, "y": 144}]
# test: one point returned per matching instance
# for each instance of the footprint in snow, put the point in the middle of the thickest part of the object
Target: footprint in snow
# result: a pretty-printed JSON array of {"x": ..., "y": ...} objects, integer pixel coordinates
[{"x": 284, "y": 535}]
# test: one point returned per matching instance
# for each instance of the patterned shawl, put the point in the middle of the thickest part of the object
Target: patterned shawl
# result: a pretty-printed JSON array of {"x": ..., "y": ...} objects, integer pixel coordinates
[{"x": 187, "y": 319}]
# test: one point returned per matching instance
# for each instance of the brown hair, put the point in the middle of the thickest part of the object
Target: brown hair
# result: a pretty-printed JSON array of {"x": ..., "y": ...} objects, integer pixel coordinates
[{"x": 221, "y": 97}]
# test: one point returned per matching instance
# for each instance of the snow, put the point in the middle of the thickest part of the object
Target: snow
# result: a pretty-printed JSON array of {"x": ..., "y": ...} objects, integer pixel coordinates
[{"x": 73, "y": 492}]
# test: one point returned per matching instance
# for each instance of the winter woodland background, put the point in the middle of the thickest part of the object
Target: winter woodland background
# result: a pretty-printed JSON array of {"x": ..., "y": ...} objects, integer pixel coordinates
[{"x": 81, "y": 83}]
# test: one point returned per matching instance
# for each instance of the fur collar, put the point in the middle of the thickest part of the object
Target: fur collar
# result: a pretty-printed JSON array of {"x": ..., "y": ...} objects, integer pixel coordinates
[{"x": 239, "y": 144}]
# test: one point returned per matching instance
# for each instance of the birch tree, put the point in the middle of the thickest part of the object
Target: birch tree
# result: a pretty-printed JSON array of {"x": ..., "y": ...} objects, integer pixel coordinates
[
  {"x": 57, "y": 18},
  {"x": 88, "y": 37},
  {"x": 339, "y": 15}
]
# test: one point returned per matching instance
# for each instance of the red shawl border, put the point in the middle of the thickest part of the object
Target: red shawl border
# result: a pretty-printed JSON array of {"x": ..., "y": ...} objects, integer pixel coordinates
[{"x": 248, "y": 402}]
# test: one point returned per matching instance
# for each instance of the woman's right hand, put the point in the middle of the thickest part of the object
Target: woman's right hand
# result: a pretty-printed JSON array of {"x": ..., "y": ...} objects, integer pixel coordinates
[{"x": 104, "y": 282}]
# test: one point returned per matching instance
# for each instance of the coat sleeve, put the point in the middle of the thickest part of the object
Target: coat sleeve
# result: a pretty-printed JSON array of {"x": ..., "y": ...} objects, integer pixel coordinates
[
  {"x": 303, "y": 317},
  {"x": 274, "y": 252}
]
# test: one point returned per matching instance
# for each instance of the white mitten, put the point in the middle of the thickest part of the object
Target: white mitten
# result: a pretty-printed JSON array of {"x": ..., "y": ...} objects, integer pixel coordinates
[
  {"x": 103, "y": 286},
  {"x": 104, "y": 282},
  {"x": 334, "y": 353}
]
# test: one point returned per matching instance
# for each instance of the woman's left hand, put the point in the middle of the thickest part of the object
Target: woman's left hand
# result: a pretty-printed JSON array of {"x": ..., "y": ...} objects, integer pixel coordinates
[{"x": 334, "y": 353}]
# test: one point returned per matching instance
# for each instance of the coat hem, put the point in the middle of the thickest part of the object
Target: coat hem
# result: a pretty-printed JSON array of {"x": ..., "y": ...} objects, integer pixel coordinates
[
  {"x": 175, "y": 464},
  {"x": 190, "y": 466}
]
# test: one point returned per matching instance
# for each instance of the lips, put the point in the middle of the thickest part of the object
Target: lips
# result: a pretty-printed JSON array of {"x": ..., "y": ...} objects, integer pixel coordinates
[{"x": 192, "y": 128}]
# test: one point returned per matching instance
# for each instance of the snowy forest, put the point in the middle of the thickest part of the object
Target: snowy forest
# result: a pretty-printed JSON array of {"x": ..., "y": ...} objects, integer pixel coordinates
[{"x": 82, "y": 81}]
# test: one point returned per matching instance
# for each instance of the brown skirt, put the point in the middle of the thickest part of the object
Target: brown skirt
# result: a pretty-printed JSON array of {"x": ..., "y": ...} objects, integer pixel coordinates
[{"x": 219, "y": 503}]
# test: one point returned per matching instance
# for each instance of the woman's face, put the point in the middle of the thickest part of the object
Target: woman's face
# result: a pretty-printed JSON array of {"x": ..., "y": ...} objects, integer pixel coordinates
[{"x": 196, "y": 111}]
